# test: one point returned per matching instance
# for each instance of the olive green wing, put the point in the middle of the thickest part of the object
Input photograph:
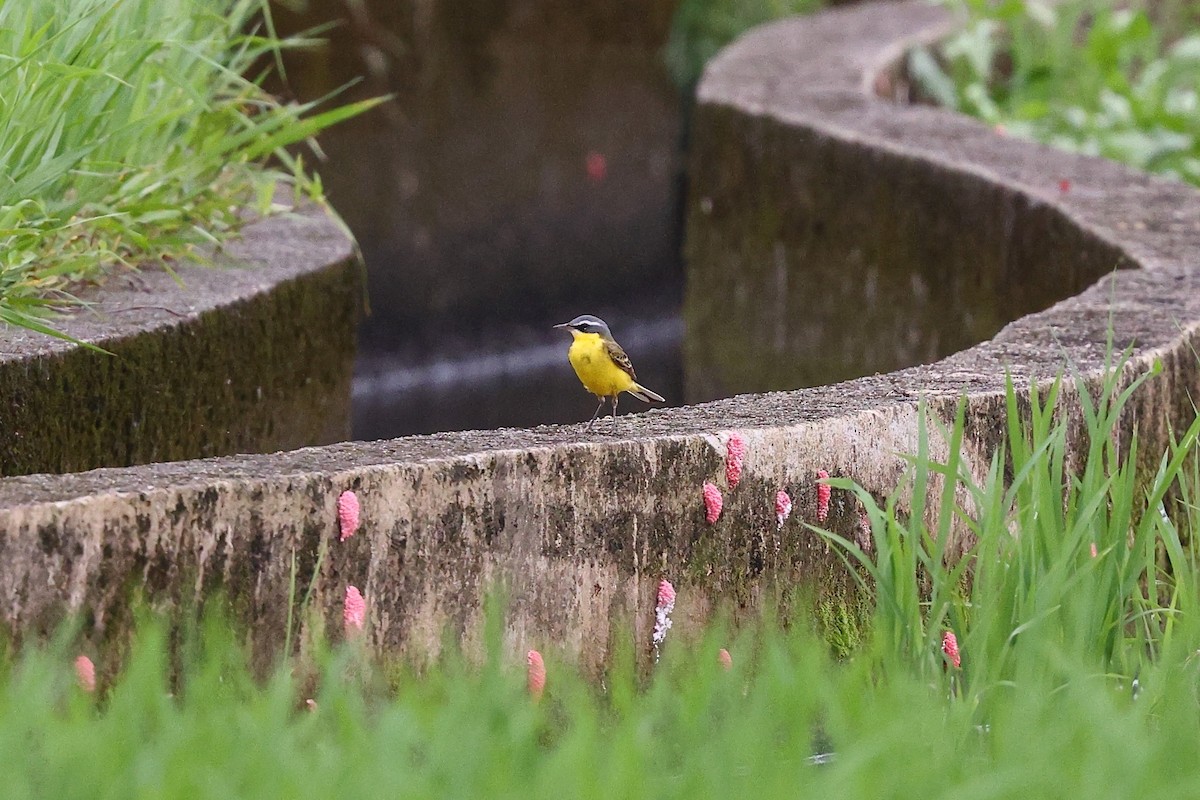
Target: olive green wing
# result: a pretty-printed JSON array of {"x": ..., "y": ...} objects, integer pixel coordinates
[{"x": 619, "y": 358}]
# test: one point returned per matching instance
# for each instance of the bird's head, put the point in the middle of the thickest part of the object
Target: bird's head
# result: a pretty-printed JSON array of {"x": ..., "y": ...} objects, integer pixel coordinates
[{"x": 587, "y": 324}]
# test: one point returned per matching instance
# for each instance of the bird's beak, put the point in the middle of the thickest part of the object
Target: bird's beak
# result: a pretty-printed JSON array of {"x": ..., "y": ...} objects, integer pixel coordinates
[{"x": 563, "y": 325}]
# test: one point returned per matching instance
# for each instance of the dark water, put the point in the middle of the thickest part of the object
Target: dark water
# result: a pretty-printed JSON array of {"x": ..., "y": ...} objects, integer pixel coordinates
[
  {"x": 486, "y": 387},
  {"x": 528, "y": 169}
]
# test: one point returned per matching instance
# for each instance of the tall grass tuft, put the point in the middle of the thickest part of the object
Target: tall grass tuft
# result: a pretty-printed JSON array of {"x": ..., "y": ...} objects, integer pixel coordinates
[
  {"x": 133, "y": 132},
  {"x": 1078, "y": 569}
]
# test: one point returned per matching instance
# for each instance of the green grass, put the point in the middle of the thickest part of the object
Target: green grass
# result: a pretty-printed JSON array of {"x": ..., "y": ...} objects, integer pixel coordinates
[
  {"x": 1093, "y": 76},
  {"x": 1052, "y": 640},
  {"x": 132, "y": 133},
  {"x": 1029, "y": 601},
  {"x": 700, "y": 28}
]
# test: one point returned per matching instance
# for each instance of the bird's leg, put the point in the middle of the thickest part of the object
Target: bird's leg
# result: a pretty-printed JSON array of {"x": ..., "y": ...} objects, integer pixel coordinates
[
  {"x": 615, "y": 397},
  {"x": 597, "y": 413}
]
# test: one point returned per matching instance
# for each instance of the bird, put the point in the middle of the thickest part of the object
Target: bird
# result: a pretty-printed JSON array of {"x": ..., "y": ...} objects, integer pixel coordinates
[{"x": 601, "y": 364}]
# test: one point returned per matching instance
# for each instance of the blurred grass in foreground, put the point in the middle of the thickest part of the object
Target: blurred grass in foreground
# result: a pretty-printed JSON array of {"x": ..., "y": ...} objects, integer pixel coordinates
[
  {"x": 1045, "y": 703},
  {"x": 132, "y": 132}
]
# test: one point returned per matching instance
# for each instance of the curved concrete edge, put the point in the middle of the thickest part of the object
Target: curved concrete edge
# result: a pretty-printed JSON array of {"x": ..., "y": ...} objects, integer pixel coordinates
[
  {"x": 578, "y": 527},
  {"x": 250, "y": 352},
  {"x": 811, "y": 88}
]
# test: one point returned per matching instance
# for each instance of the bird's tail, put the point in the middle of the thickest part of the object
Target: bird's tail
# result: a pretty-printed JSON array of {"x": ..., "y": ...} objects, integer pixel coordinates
[{"x": 644, "y": 394}]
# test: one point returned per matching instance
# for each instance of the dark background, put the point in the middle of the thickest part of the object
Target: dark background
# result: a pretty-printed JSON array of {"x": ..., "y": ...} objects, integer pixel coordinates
[{"x": 527, "y": 170}]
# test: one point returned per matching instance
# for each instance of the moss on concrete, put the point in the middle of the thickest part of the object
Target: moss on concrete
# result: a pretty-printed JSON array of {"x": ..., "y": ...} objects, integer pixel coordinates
[
  {"x": 844, "y": 625},
  {"x": 845, "y": 264},
  {"x": 262, "y": 369}
]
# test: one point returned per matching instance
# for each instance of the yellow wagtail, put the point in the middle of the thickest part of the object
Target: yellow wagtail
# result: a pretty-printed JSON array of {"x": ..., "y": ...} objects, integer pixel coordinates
[{"x": 601, "y": 364}]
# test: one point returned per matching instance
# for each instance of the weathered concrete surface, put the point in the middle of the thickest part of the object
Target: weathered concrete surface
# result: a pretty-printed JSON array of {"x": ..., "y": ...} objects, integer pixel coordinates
[
  {"x": 578, "y": 529},
  {"x": 580, "y": 526},
  {"x": 252, "y": 354},
  {"x": 906, "y": 233}
]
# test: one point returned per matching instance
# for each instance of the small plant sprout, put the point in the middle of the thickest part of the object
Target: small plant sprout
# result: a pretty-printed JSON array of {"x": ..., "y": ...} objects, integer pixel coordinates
[
  {"x": 348, "y": 515},
  {"x": 85, "y": 674},
  {"x": 950, "y": 649},
  {"x": 824, "y": 491},
  {"x": 712, "y": 503},
  {"x": 662, "y": 615},
  {"x": 535, "y": 674},
  {"x": 783, "y": 507},
  {"x": 735, "y": 453},
  {"x": 354, "y": 611}
]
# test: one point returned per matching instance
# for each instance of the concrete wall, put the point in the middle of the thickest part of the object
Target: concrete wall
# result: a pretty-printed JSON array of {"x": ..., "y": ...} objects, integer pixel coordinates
[
  {"x": 832, "y": 236},
  {"x": 579, "y": 525},
  {"x": 251, "y": 354}
]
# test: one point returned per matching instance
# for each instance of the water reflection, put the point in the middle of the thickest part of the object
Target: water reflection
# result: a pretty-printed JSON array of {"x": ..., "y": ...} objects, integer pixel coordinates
[{"x": 526, "y": 384}]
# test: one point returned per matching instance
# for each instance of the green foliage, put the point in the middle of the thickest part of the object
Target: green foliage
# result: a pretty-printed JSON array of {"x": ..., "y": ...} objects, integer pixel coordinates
[
  {"x": 1084, "y": 75},
  {"x": 842, "y": 627},
  {"x": 702, "y": 27},
  {"x": 1030, "y": 605},
  {"x": 129, "y": 133}
]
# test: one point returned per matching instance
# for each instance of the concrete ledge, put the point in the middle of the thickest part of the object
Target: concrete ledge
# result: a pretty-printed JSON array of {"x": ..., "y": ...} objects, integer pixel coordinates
[
  {"x": 252, "y": 354},
  {"x": 577, "y": 526}
]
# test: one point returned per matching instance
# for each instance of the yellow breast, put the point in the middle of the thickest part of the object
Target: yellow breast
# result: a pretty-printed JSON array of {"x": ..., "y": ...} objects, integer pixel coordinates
[{"x": 595, "y": 369}]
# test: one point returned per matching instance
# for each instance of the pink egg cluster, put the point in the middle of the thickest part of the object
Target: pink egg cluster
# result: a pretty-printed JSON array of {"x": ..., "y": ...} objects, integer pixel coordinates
[
  {"x": 666, "y": 595},
  {"x": 597, "y": 166},
  {"x": 950, "y": 648},
  {"x": 662, "y": 614},
  {"x": 535, "y": 674},
  {"x": 712, "y": 502},
  {"x": 783, "y": 507},
  {"x": 348, "y": 511},
  {"x": 735, "y": 452},
  {"x": 824, "y": 491},
  {"x": 354, "y": 611},
  {"x": 85, "y": 674}
]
